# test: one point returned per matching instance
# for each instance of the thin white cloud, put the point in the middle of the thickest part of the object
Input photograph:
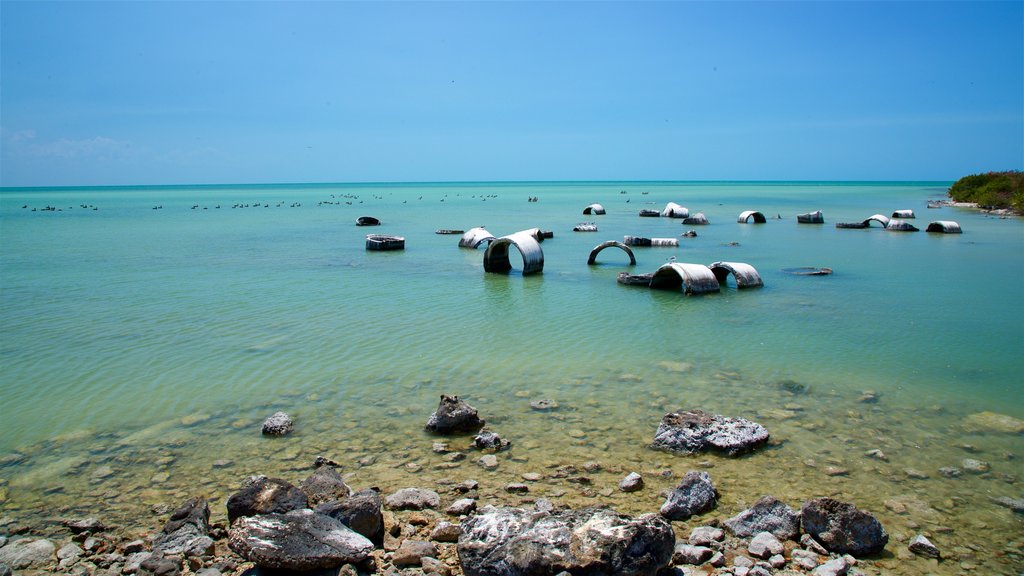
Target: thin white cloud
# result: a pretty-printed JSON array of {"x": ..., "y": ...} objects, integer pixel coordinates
[{"x": 24, "y": 144}]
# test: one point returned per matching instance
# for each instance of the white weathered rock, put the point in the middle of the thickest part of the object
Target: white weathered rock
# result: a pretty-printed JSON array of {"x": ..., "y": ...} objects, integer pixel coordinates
[
  {"x": 298, "y": 540},
  {"x": 765, "y": 545},
  {"x": 27, "y": 553},
  {"x": 631, "y": 483}
]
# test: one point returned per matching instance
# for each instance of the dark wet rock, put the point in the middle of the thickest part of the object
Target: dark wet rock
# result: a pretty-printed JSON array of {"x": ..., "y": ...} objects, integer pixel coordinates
[
  {"x": 515, "y": 542},
  {"x": 298, "y": 540},
  {"x": 462, "y": 507},
  {"x": 765, "y": 545},
  {"x": 324, "y": 461},
  {"x": 278, "y": 424},
  {"x": 689, "y": 554},
  {"x": 412, "y": 552},
  {"x": 923, "y": 547},
  {"x": 488, "y": 440},
  {"x": 766, "y": 515},
  {"x": 85, "y": 526},
  {"x": 413, "y": 499},
  {"x": 950, "y": 472},
  {"x": 694, "y": 494},
  {"x": 187, "y": 530},
  {"x": 360, "y": 512},
  {"x": 5, "y": 570},
  {"x": 158, "y": 566},
  {"x": 696, "y": 431},
  {"x": 325, "y": 485},
  {"x": 632, "y": 482},
  {"x": 27, "y": 553},
  {"x": 453, "y": 415},
  {"x": 841, "y": 528},
  {"x": 517, "y": 488},
  {"x": 264, "y": 495},
  {"x": 1015, "y": 504}
]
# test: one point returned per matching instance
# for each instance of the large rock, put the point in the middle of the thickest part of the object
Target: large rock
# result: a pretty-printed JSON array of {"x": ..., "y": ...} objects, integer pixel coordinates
[
  {"x": 593, "y": 541},
  {"x": 412, "y": 499},
  {"x": 766, "y": 515},
  {"x": 695, "y": 494},
  {"x": 187, "y": 530},
  {"x": 27, "y": 553},
  {"x": 262, "y": 495},
  {"x": 841, "y": 528},
  {"x": 298, "y": 540},
  {"x": 325, "y": 485},
  {"x": 697, "y": 431},
  {"x": 453, "y": 415},
  {"x": 360, "y": 512}
]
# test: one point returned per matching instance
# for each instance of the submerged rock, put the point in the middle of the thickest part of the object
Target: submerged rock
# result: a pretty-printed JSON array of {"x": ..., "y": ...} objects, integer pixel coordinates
[
  {"x": 187, "y": 530},
  {"x": 923, "y": 547},
  {"x": 453, "y": 415},
  {"x": 360, "y": 512},
  {"x": 1015, "y": 504},
  {"x": 695, "y": 494},
  {"x": 841, "y": 528},
  {"x": 278, "y": 424},
  {"x": 994, "y": 422},
  {"x": 325, "y": 485},
  {"x": 766, "y": 515},
  {"x": 413, "y": 499},
  {"x": 264, "y": 495},
  {"x": 298, "y": 540},
  {"x": 696, "y": 430},
  {"x": 487, "y": 440},
  {"x": 596, "y": 541}
]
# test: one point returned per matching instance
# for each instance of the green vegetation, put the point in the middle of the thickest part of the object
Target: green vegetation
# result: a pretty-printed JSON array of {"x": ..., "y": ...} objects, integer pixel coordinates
[{"x": 991, "y": 190}]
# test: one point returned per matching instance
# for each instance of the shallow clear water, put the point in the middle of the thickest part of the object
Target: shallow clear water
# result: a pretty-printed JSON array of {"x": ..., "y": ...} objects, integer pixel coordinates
[{"x": 154, "y": 342}]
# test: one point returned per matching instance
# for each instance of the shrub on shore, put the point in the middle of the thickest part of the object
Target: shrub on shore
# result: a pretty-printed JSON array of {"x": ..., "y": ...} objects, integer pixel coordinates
[{"x": 991, "y": 190}]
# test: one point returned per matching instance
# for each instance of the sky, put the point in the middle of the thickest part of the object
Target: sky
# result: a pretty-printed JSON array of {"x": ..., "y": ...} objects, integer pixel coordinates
[{"x": 196, "y": 92}]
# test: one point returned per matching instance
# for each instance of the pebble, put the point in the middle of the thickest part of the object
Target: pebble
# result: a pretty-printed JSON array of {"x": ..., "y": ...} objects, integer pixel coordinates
[
  {"x": 462, "y": 507},
  {"x": 488, "y": 461},
  {"x": 923, "y": 547},
  {"x": 544, "y": 405},
  {"x": 877, "y": 455},
  {"x": 577, "y": 433},
  {"x": 411, "y": 552},
  {"x": 836, "y": 471},
  {"x": 632, "y": 482},
  {"x": 517, "y": 488},
  {"x": 531, "y": 476},
  {"x": 915, "y": 474},
  {"x": 976, "y": 466},
  {"x": 446, "y": 532},
  {"x": 834, "y": 567}
]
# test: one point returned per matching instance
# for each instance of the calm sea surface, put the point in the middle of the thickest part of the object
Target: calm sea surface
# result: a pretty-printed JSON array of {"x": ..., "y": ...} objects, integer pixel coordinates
[{"x": 142, "y": 343}]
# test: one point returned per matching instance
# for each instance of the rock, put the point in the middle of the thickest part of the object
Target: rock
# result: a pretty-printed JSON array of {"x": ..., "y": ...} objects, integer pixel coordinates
[
  {"x": 413, "y": 499},
  {"x": 325, "y": 485},
  {"x": 632, "y": 482},
  {"x": 923, "y": 547},
  {"x": 975, "y": 466},
  {"x": 841, "y": 528},
  {"x": 950, "y": 472},
  {"x": 777, "y": 561},
  {"x": 85, "y": 526},
  {"x": 812, "y": 545},
  {"x": 765, "y": 545},
  {"x": 453, "y": 415},
  {"x": 264, "y": 495},
  {"x": 158, "y": 566},
  {"x": 995, "y": 422},
  {"x": 805, "y": 559},
  {"x": 360, "y": 512},
  {"x": 689, "y": 554},
  {"x": 696, "y": 431},
  {"x": 868, "y": 397},
  {"x": 297, "y": 540},
  {"x": 488, "y": 461},
  {"x": 27, "y": 553},
  {"x": 705, "y": 535},
  {"x": 187, "y": 531},
  {"x": 1015, "y": 504},
  {"x": 461, "y": 507},
  {"x": 766, "y": 515},
  {"x": 834, "y": 567},
  {"x": 487, "y": 440},
  {"x": 915, "y": 474},
  {"x": 440, "y": 448},
  {"x": 278, "y": 424},
  {"x": 877, "y": 455},
  {"x": 412, "y": 552},
  {"x": 517, "y": 488},
  {"x": 531, "y": 476},
  {"x": 446, "y": 532},
  {"x": 544, "y": 405},
  {"x": 5, "y": 570},
  {"x": 694, "y": 494},
  {"x": 515, "y": 542}
]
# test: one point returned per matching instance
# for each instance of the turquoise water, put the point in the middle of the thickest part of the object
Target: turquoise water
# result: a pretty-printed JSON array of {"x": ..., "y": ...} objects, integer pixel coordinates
[{"x": 118, "y": 323}]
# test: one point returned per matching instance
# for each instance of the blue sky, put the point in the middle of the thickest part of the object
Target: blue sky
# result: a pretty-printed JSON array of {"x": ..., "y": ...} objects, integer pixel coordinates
[{"x": 106, "y": 93}]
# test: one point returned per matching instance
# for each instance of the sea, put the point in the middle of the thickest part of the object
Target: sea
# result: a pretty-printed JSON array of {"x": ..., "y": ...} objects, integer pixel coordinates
[{"x": 147, "y": 332}]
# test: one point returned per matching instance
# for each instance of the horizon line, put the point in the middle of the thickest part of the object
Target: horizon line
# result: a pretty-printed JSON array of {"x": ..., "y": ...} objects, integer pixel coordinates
[{"x": 463, "y": 183}]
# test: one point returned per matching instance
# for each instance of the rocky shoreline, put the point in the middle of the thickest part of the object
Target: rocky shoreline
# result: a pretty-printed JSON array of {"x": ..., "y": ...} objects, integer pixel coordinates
[{"x": 321, "y": 526}]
